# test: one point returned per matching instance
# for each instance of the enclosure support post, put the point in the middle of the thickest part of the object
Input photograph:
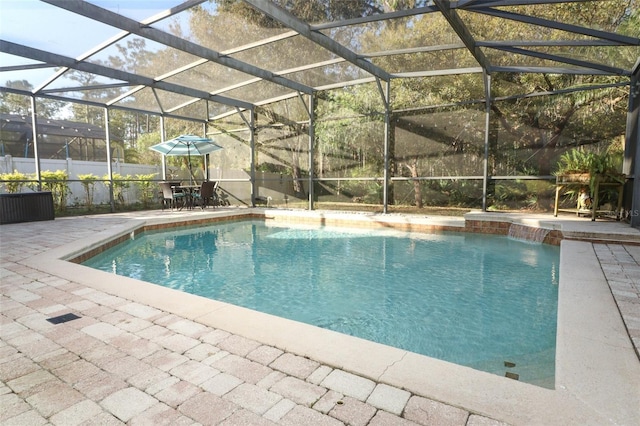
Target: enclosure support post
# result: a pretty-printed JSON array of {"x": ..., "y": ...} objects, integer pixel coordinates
[
  {"x": 109, "y": 164},
  {"x": 164, "y": 157},
  {"x": 251, "y": 124},
  {"x": 485, "y": 171},
  {"x": 311, "y": 109},
  {"x": 632, "y": 150},
  {"x": 252, "y": 143},
  {"x": 34, "y": 134},
  {"x": 205, "y": 160},
  {"x": 384, "y": 93}
]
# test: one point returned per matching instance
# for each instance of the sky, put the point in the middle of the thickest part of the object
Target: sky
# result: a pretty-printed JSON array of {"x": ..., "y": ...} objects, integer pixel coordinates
[{"x": 43, "y": 26}]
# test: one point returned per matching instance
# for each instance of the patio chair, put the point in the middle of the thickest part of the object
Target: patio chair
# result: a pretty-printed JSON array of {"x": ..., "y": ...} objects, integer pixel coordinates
[
  {"x": 207, "y": 195},
  {"x": 171, "y": 196}
]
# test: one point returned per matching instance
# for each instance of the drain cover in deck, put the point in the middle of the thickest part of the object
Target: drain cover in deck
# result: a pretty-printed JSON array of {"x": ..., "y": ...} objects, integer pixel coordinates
[
  {"x": 512, "y": 375},
  {"x": 62, "y": 318}
]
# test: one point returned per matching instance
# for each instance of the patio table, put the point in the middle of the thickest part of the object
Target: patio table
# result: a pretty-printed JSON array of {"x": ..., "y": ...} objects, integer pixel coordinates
[{"x": 188, "y": 191}]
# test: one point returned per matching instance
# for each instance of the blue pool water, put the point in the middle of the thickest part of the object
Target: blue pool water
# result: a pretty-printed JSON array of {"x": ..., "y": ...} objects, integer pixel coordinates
[{"x": 471, "y": 299}]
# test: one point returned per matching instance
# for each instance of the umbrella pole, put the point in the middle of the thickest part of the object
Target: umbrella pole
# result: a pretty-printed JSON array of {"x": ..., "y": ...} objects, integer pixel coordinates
[{"x": 189, "y": 164}]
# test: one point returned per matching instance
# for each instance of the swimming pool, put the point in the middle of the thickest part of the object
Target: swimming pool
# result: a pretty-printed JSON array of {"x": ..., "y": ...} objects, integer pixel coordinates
[{"x": 482, "y": 301}]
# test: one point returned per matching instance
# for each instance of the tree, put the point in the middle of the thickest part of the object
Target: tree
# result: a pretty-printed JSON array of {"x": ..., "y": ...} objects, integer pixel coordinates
[
  {"x": 12, "y": 103},
  {"x": 532, "y": 131}
]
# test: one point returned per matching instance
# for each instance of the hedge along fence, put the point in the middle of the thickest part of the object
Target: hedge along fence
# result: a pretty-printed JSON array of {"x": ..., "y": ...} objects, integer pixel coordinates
[
  {"x": 54, "y": 182},
  {"x": 147, "y": 187},
  {"x": 120, "y": 185},
  {"x": 89, "y": 184},
  {"x": 145, "y": 184},
  {"x": 15, "y": 173},
  {"x": 58, "y": 184},
  {"x": 14, "y": 182}
]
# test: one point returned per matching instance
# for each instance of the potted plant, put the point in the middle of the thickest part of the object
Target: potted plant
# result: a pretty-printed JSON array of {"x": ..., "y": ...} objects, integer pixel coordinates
[
  {"x": 580, "y": 166},
  {"x": 579, "y": 169}
]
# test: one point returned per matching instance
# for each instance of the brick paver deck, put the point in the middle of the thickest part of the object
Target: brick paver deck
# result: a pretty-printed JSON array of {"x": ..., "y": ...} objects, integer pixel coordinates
[{"x": 122, "y": 362}]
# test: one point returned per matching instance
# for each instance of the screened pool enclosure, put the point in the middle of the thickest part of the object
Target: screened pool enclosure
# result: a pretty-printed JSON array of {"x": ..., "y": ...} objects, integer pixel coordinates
[{"x": 355, "y": 103}]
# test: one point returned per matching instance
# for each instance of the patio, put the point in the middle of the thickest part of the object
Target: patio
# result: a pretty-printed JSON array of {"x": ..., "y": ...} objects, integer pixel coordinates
[{"x": 142, "y": 354}]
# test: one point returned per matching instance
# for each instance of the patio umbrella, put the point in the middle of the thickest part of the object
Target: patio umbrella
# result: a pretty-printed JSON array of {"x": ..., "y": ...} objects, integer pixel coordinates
[{"x": 186, "y": 145}]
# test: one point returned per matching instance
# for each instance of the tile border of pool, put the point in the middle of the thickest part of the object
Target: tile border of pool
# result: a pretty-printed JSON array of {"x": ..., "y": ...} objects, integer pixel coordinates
[{"x": 595, "y": 361}]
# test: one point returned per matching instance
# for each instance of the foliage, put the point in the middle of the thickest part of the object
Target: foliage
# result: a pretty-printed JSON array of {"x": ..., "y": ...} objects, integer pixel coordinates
[
  {"x": 457, "y": 192},
  {"x": 531, "y": 129},
  {"x": 120, "y": 183},
  {"x": 527, "y": 134},
  {"x": 367, "y": 192},
  {"x": 12, "y": 103},
  {"x": 271, "y": 168},
  {"x": 146, "y": 185},
  {"x": 14, "y": 182},
  {"x": 88, "y": 182},
  {"x": 580, "y": 160},
  {"x": 57, "y": 183},
  {"x": 607, "y": 163},
  {"x": 349, "y": 138},
  {"x": 144, "y": 154}
]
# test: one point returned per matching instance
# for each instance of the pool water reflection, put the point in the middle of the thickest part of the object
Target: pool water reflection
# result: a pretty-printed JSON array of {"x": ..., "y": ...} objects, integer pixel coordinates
[{"x": 487, "y": 302}]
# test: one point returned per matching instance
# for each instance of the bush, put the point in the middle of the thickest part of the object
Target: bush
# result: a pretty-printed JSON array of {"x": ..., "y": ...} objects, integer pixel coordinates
[
  {"x": 120, "y": 183},
  {"x": 146, "y": 185},
  {"x": 57, "y": 183},
  {"x": 14, "y": 182},
  {"x": 89, "y": 183}
]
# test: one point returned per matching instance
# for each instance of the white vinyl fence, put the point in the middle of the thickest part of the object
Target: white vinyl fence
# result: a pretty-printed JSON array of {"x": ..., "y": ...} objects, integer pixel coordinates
[
  {"x": 77, "y": 196},
  {"x": 235, "y": 184}
]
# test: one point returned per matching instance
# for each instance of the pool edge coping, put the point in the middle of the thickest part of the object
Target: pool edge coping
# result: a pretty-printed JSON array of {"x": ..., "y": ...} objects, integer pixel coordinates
[{"x": 579, "y": 399}]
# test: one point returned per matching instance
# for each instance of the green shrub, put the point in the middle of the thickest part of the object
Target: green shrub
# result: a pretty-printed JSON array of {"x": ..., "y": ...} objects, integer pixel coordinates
[
  {"x": 120, "y": 183},
  {"x": 146, "y": 185},
  {"x": 57, "y": 183},
  {"x": 608, "y": 163},
  {"x": 14, "y": 182},
  {"x": 88, "y": 183}
]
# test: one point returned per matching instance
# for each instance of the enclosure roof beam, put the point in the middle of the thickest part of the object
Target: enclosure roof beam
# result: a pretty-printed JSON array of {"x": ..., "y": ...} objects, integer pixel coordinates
[
  {"x": 410, "y": 50},
  {"x": 549, "y": 70},
  {"x": 100, "y": 105},
  {"x": 83, "y": 88},
  {"x": 563, "y": 91},
  {"x": 23, "y": 92},
  {"x": 375, "y": 18},
  {"x": 463, "y": 32},
  {"x": 60, "y": 72},
  {"x": 346, "y": 84},
  {"x": 119, "y": 21},
  {"x": 10, "y": 68},
  {"x": 288, "y": 20},
  {"x": 282, "y": 72},
  {"x": 134, "y": 79},
  {"x": 462, "y": 4},
  {"x": 549, "y": 43},
  {"x": 437, "y": 73},
  {"x": 472, "y": 4},
  {"x": 237, "y": 85},
  {"x": 183, "y": 105},
  {"x": 124, "y": 95},
  {"x": 259, "y": 43},
  {"x": 564, "y": 59},
  {"x": 576, "y": 29},
  {"x": 187, "y": 4}
]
